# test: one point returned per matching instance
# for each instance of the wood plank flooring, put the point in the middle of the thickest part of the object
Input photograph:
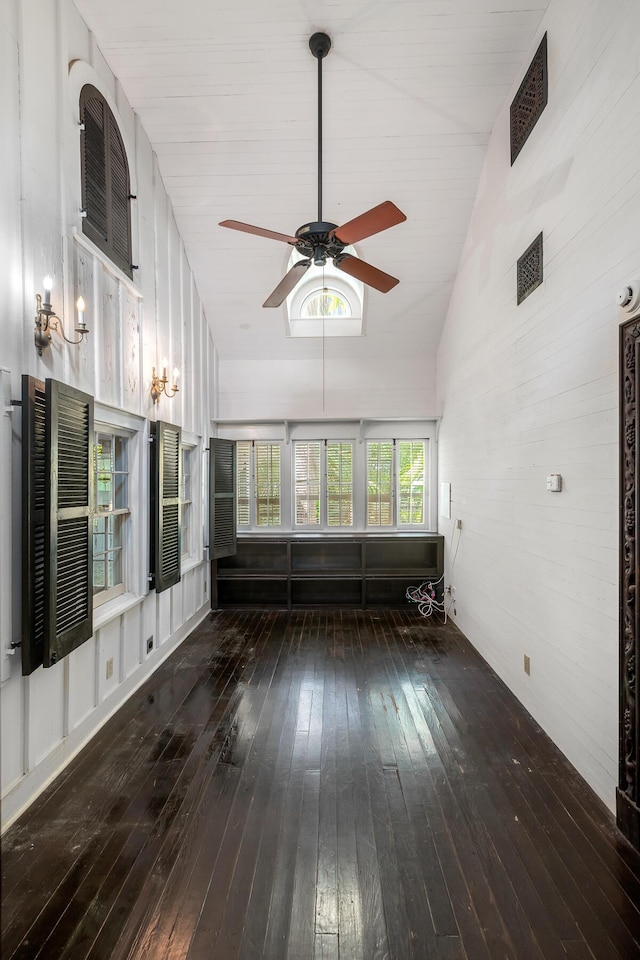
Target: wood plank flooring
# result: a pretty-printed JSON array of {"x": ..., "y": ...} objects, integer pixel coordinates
[{"x": 322, "y": 785}]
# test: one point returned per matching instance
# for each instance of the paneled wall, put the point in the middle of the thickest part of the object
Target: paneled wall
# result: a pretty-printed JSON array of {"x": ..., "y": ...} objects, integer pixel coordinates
[
  {"x": 530, "y": 390},
  {"x": 47, "y": 54}
]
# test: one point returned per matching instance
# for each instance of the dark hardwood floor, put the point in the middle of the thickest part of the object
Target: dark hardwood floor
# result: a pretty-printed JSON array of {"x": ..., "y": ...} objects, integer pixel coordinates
[{"x": 325, "y": 785}]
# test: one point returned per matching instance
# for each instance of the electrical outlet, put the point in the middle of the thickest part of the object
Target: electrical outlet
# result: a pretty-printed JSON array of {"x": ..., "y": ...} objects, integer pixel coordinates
[
  {"x": 109, "y": 668},
  {"x": 458, "y": 524},
  {"x": 527, "y": 665},
  {"x": 149, "y": 644}
]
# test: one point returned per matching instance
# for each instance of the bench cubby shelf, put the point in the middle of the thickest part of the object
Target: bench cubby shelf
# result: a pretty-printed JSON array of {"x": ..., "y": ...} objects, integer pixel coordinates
[{"x": 313, "y": 570}]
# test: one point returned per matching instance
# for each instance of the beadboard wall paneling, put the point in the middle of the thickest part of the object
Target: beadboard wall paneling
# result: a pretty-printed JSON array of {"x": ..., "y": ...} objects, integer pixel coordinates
[
  {"x": 530, "y": 390},
  {"x": 45, "y": 718}
]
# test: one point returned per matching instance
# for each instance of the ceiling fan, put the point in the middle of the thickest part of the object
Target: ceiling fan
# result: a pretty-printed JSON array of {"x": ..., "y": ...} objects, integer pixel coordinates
[{"x": 321, "y": 239}]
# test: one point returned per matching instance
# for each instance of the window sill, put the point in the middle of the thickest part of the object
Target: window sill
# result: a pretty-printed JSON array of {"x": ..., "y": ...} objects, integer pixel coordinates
[
  {"x": 189, "y": 564},
  {"x": 114, "y": 608},
  {"x": 107, "y": 264}
]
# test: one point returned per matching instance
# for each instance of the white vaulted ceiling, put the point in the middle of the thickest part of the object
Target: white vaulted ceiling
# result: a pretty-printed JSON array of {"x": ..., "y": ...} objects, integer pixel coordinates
[{"x": 226, "y": 92}]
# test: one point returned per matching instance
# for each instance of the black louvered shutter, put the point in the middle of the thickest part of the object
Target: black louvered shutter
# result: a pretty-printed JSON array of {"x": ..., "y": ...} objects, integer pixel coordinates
[
  {"x": 33, "y": 522},
  {"x": 120, "y": 190},
  {"x": 165, "y": 505},
  {"x": 68, "y": 580},
  {"x": 93, "y": 141},
  {"x": 222, "y": 498},
  {"x": 105, "y": 180}
]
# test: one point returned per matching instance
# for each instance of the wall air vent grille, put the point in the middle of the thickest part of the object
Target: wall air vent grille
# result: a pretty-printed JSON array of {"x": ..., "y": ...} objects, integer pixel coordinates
[
  {"x": 530, "y": 269},
  {"x": 529, "y": 101}
]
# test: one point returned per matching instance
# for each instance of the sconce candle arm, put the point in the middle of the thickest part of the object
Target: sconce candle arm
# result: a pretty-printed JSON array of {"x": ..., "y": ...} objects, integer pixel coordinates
[
  {"x": 159, "y": 385},
  {"x": 46, "y": 320}
]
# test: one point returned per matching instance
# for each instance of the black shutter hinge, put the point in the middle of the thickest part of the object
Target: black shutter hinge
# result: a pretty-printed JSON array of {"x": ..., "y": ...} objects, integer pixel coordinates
[
  {"x": 134, "y": 266},
  {"x": 131, "y": 196}
]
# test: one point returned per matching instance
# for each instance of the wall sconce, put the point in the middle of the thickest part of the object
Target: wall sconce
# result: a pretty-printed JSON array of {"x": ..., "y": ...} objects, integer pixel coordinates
[
  {"x": 47, "y": 320},
  {"x": 159, "y": 384}
]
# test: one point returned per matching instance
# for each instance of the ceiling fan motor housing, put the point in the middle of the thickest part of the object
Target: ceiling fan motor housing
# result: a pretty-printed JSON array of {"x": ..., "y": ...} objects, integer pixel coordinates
[{"x": 317, "y": 240}]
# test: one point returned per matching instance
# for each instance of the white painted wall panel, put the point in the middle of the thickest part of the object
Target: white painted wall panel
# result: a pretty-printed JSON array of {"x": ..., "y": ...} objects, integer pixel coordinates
[
  {"x": 531, "y": 390},
  {"x": 82, "y": 683},
  {"x": 48, "y": 716},
  {"x": 131, "y": 634}
]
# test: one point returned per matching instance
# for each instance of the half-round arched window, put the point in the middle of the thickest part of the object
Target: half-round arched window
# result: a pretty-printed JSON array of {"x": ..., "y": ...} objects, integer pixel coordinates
[
  {"x": 106, "y": 191},
  {"x": 325, "y": 303}
]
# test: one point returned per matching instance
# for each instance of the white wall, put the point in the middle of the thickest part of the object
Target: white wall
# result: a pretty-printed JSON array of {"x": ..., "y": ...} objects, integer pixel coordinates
[
  {"x": 46, "y": 54},
  {"x": 529, "y": 390}
]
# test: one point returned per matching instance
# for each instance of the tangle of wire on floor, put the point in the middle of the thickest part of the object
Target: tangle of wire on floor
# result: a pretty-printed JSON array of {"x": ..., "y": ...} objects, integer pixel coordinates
[{"x": 426, "y": 596}]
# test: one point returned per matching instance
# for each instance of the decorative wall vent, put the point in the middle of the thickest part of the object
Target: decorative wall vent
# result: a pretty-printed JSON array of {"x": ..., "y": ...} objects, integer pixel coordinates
[
  {"x": 529, "y": 101},
  {"x": 530, "y": 269}
]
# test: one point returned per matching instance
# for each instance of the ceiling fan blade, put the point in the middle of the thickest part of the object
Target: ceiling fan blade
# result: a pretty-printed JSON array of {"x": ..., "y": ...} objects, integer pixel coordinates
[
  {"x": 259, "y": 231},
  {"x": 379, "y": 218},
  {"x": 286, "y": 285},
  {"x": 364, "y": 271}
]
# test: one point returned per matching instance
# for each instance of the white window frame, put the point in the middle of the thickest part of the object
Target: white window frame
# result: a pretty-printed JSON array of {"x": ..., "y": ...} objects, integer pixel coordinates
[
  {"x": 323, "y": 524},
  {"x": 187, "y": 503},
  {"x": 252, "y": 525},
  {"x": 315, "y": 280},
  {"x": 110, "y": 593},
  {"x": 286, "y": 432},
  {"x": 109, "y": 420},
  {"x": 395, "y": 524}
]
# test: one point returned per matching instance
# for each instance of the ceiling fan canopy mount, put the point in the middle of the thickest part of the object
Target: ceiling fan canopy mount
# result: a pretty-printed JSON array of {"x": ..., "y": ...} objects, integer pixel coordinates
[{"x": 321, "y": 239}]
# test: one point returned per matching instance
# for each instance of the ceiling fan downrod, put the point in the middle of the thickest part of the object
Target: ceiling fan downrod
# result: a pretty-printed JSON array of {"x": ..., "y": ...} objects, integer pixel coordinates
[{"x": 320, "y": 44}]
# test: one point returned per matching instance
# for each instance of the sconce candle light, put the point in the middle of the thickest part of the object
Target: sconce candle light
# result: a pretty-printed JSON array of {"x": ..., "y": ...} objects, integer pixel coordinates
[
  {"x": 47, "y": 320},
  {"x": 159, "y": 384}
]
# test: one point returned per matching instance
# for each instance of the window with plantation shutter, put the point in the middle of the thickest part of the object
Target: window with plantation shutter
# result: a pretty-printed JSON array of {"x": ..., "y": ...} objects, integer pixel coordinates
[
  {"x": 106, "y": 186},
  {"x": 243, "y": 483},
  {"x": 33, "y": 522},
  {"x": 222, "y": 495},
  {"x": 307, "y": 483},
  {"x": 268, "y": 484},
  {"x": 165, "y": 505},
  {"x": 57, "y": 484},
  {"x": 380, "y": 483},
  {"x": 396, "y": 483},
  {"x": 411, "y": 466},
  {"x": 339, "y": 484}
]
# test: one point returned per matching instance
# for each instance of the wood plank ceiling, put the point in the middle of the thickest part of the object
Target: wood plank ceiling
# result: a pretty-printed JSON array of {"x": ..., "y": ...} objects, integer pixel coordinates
[{"x": 226, "y": 92}]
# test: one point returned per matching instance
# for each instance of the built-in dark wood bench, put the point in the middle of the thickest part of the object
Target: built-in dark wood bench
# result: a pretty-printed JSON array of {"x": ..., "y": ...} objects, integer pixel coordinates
[{"x": 298, "y": 570}]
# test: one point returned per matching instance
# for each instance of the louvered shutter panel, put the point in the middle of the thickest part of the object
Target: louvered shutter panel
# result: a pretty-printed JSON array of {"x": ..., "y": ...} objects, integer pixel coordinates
[
  {"x": 68, "y": 580},
  {"x": 120, "y": 232},
  {"x": 243, "y": 470},
  {"x": 222, "y": 495},
  {"x": 339, "y": 484},
  {"x": 379, "y": 483},
  {"x": 166, "y": 542},
  {"x": 94, "y": 164},
  {"x": 33, "y": 522},
  {"x": 267, "y": 470},
  {"x": 307, "y": 479}
]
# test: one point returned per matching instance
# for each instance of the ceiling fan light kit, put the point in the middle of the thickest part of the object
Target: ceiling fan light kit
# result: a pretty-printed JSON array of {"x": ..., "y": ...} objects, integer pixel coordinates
[{"x": 321, "y": 239}]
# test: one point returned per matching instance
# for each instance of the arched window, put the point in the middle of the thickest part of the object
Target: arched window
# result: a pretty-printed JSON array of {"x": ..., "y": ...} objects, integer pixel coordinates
[
  {"x": 325, "y": 303},
  {"x": 106, "y": 192}
]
